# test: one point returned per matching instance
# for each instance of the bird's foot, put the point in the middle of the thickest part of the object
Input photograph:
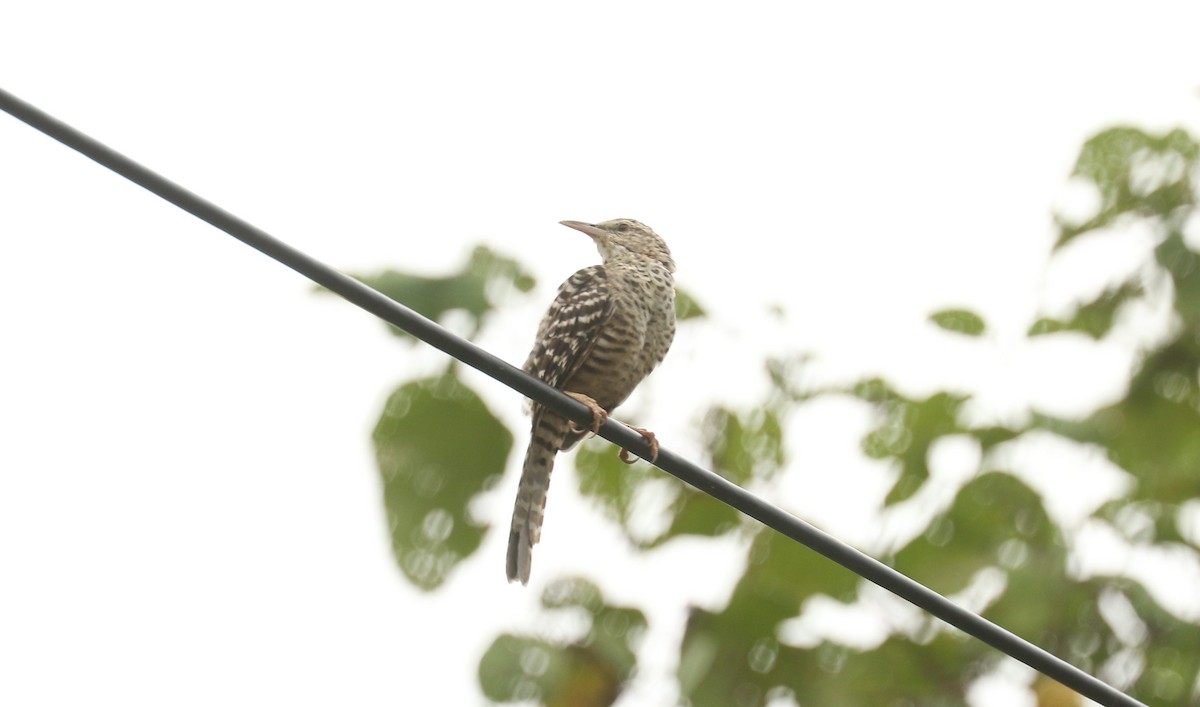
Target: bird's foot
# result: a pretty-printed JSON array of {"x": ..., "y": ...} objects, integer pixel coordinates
[
  {"x": 599, "y": 416},
  {"x": 650, "y": 439}
]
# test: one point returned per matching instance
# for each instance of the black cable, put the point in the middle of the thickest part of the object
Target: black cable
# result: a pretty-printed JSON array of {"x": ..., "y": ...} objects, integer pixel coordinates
[{"x": 430, "y": 332}]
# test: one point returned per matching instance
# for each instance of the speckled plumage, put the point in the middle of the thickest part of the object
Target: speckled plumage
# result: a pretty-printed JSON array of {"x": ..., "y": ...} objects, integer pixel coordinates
[{"x": 610, "y": 325}]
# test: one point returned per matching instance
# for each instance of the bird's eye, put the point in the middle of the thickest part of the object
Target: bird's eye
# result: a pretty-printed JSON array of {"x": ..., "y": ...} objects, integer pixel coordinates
[{"x": 622, "y": 227}]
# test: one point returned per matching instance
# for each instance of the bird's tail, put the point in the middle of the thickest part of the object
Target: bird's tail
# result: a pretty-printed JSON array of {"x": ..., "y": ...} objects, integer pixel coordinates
[{"x": 547, "y": 437}]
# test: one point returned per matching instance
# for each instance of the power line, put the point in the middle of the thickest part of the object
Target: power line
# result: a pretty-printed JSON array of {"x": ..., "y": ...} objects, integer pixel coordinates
[{"x": 430, "y": 332}]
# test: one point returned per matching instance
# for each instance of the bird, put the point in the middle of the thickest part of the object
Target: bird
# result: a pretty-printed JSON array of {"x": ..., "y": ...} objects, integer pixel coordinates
[{"x": 609, "y": 326}]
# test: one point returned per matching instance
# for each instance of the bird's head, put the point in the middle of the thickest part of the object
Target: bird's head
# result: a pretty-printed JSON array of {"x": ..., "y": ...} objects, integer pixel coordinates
[{"x": 623, "y": 238}]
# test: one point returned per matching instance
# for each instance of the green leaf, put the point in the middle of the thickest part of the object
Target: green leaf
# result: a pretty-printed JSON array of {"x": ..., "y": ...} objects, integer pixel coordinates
[
  {"x": 1136, "y": 173},
  {"x": 437, "y": 447},
  {"x": 588, "y": 672},
  {"x": 1172, "y": 655},
  {"x": 518, "y": 668},
  {"x": 791, "y": 378},
  {"x": 993, "y": 435},
  {"x": 736, "y": 650},
  {"x": 933, "y": 673},
  {"x": 1094, "y": 318},
  {"x": 1143, "y": 522},
  {"x": 614, "y": 487},
  {"x": 686, "y": 306},
  {"x": 744, "y": 447},
  {"x": 484, "y": 282},
  {"x": 1152, "y": 432},
  {"x": 696, "y": 513},
  {"x": 995, "y": 521},
  {"x": 1046, "y": 325},
  {"x": 907, "y": 429},
  {"x": 1182, "y": 265},
  {"x": 959, "y": 321},
  {"x": 610, "y": 483}
]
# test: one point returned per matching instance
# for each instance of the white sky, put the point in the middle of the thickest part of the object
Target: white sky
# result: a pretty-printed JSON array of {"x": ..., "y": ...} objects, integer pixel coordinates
[{"x": 189, "y": 512}]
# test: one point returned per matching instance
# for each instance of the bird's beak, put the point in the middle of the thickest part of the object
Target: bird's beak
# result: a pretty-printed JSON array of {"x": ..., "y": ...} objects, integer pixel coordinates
[{"x": 593, "y": 231}]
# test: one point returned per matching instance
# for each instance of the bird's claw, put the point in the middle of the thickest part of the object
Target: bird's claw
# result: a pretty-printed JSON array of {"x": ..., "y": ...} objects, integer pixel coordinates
[
  {"x": 650, "y": 439},
  {"x": 599, "y": 415}
]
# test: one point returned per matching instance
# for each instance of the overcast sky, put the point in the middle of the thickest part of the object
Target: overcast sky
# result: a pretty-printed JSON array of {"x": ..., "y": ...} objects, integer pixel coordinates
[{"x": 189, "y": 511}]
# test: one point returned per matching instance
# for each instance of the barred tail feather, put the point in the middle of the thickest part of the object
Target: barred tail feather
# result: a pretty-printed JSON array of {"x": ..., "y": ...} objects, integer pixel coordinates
[{"x": 547, "y": 437}]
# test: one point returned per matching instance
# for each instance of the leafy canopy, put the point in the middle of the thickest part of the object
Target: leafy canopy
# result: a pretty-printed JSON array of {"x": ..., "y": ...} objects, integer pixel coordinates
[{"x": 439, "y": 447}]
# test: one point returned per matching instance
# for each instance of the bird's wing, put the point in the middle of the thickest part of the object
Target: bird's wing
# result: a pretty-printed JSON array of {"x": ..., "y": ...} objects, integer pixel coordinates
[{"x": 569, "y": 330}]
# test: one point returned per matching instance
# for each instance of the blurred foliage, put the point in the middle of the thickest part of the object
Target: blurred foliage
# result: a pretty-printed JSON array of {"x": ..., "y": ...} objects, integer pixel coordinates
[
  {"x": 741, "y": 447},
  {"x": 483, "y": 282},
  {"x": 734, "y": 655},
  {"x": 586, "y": 672},
  {"x": 992, "y": 543},
  {"x": 907, "y": 428},
  {"x": 1137, "y": 174},
  {"x": 896, "y": 672},
  {"x": 995, "y": 521},
  {"x": 1094, "y": 318}
]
